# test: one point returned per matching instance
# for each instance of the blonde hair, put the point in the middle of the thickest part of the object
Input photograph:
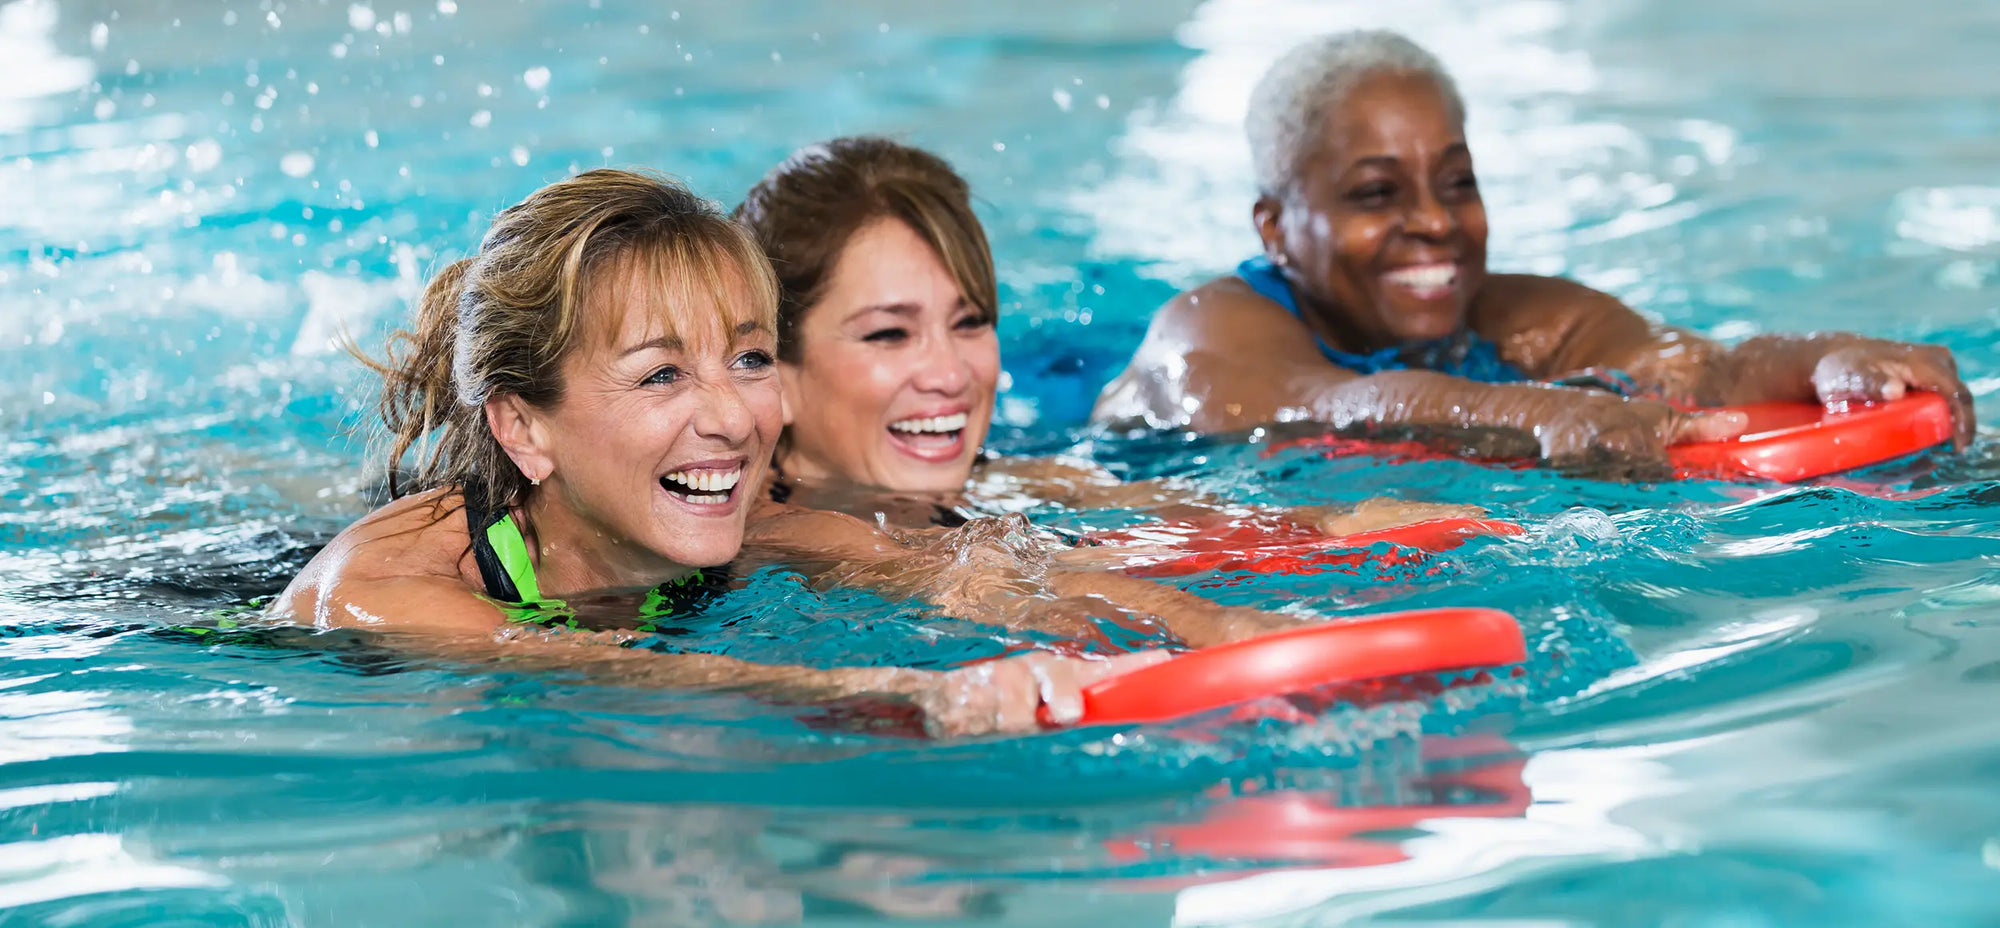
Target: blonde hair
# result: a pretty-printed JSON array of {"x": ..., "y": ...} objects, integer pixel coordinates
[
  {"x": 503, "y": 321},
  {"x": 805, "y": 211}
]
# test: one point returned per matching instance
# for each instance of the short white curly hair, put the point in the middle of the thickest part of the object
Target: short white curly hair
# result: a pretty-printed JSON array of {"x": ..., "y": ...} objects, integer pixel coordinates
[{"x": 1293, "y": 97}]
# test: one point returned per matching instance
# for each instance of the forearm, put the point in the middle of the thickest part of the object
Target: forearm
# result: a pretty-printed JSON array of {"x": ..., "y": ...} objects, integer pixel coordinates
[
  {"x": 1776, "y": 367},
  {"x": 1426, "y": 398},
  {"x": 603, "y": 657}
]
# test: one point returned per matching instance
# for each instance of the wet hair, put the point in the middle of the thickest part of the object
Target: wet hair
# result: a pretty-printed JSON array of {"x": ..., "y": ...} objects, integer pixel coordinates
[
  {"x": 806, "y": 210},
  {"x": 562, "y": 263},
  {"x": 1291, "y": 100}
]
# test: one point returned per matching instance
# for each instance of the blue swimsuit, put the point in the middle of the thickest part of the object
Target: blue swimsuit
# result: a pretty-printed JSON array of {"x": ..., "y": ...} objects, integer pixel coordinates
[{"x": 1465, "y": 355}]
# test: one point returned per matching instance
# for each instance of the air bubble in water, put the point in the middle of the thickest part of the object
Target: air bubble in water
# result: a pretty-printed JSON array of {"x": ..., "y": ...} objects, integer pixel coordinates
[
  {"x": 360, "y": 17},
  {"x": 520, "y": 156},
  {"x": 537, "y": 79},
  {"x": 296, "y": 164}
]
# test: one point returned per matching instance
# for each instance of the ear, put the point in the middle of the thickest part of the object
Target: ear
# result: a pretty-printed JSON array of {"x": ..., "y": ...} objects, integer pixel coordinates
[
  {"x": 518, "y": 427},
  {"x": 1267, "y": 213},
  {"x": 789, "y": 402}
]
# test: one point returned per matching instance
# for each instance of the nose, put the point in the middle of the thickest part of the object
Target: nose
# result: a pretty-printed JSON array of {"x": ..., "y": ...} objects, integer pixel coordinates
[
  {"x": 942, "y": 367},
  {"x": 1429, "y": 218},
  {"x": 723, "y": 414}
]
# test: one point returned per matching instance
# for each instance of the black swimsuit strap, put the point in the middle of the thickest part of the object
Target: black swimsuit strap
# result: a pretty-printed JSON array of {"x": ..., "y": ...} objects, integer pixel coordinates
[{"x": 479, "y": 516}]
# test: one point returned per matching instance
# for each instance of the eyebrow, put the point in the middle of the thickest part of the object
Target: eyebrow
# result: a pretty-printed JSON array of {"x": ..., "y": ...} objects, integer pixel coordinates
[
  {"x": 895, "y": 309},
  {"x": 1454, "y": 148},
  {"x": 672, "y": 343}
]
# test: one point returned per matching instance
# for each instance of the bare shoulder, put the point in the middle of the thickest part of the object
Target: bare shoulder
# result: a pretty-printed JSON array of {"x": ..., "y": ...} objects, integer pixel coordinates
[
  {"x": 1206, "y": 345},
  {"x": 414, "y": 546},
  {"x": 1516, "y": 301},
  {"x": 1552, "y": 325},
  {"x": 1221, "y": 310},
  {"x": 781, "y": 531}
]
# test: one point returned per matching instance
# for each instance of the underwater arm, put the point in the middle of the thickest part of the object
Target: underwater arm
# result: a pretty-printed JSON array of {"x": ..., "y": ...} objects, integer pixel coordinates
[
  {"x": 434, "y": 616},
  {"x": 1080, "y": 484}
]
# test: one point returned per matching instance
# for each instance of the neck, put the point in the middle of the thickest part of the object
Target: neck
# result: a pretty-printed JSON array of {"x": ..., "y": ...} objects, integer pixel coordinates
[
  {"x": 1337, "y": 326},
  {"x": 573, "y": 555}
]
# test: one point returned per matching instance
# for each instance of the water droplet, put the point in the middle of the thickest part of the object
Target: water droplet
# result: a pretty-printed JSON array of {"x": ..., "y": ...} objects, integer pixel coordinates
[
  {"x": 204, "y": 155},
  {"x": 482, "y": 119},
  {"x": 520, "y": 156},
  {"x": 371, "y": 138},
  {"x": 1062, "y": 99},
  {"x": 104, "y": 109},
  {"x": 537, "y": 79},
  {"x": 296, "y": 164},
  {"x": 360, "y": 17},
  {"x": 999, "y": 146},
  {"x": 447, "y": 7},
  {"x": 100, "y": 36}
]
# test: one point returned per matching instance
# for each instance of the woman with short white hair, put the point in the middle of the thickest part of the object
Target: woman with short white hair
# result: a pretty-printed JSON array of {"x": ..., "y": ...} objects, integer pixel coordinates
[{"x": 1371, "y": 302}]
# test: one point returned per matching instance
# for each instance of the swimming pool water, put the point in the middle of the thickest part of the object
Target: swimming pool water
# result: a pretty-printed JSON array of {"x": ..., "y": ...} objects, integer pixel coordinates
[{"x": 1748, "y": 705}]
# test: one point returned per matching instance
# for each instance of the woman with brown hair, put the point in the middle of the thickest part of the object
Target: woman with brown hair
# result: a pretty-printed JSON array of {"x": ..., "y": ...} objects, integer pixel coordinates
[
  {"x": 886, "y": 312},
  {"x": 594, "y": 400}
]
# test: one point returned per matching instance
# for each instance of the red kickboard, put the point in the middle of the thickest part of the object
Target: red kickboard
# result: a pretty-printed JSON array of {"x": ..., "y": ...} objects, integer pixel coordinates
[
  {"x": 1301, "y": 659},
  {"x": 1308, "y": 828},
  {"x": 1789, "y": 442}
]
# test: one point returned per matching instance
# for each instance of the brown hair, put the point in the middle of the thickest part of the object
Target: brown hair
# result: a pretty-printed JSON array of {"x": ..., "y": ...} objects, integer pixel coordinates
[
  {"x": 502, "y": 322},
  {"x": 807, "y": 208}
]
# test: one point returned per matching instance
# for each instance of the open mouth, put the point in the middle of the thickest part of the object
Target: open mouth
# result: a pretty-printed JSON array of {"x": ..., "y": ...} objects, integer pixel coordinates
[
  {"x": 704, "y": 486},
  {"x": 930, "y": 437},
  {"x": 1426, "y": 281}
]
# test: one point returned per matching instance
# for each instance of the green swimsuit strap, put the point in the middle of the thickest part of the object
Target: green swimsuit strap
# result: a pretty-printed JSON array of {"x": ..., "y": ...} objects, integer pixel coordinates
[{"x": 512, "y": 550}]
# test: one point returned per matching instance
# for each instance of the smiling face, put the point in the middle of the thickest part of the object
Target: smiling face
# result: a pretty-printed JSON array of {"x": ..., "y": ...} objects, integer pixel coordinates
[
  {"x": 669, "y": 413},
  {"x": 1383, "y": 230},
  {"x": 896, "y": 373}
]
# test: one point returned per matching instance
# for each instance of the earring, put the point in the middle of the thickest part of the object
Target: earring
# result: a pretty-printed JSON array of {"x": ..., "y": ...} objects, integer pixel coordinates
[
  {"x": 534, "y": 481},
  {"x": 1280, "y": 260}
]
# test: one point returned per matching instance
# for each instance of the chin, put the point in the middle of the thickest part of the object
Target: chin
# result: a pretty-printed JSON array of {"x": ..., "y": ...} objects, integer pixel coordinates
[
  {"x": 1423, "y": 326},
  {"x": 709, "y": 554},
  {"x": 944, "y": 477}
]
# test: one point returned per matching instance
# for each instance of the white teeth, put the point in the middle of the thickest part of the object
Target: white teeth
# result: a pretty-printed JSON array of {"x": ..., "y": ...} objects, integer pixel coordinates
[
  {"x": 1426, "y": 277},
  {"x": 714, "y": 485},
  {"x": 952, "y": 423}
]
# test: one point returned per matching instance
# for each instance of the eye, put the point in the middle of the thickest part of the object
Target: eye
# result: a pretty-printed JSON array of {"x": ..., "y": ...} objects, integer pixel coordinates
[
  {"x": 890, "y": 336},
  {"x": 1372, "y": 194},
  {"x": 972, "y": 323},
  {"x": 754, "y": 360},
  {"x": 1464, "y": 183},
  {"x": 663, "y": 376}
]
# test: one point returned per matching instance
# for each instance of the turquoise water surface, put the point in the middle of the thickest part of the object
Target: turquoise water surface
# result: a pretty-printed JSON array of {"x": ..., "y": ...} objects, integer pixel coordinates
[{"x": 1747, "y": 705}]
